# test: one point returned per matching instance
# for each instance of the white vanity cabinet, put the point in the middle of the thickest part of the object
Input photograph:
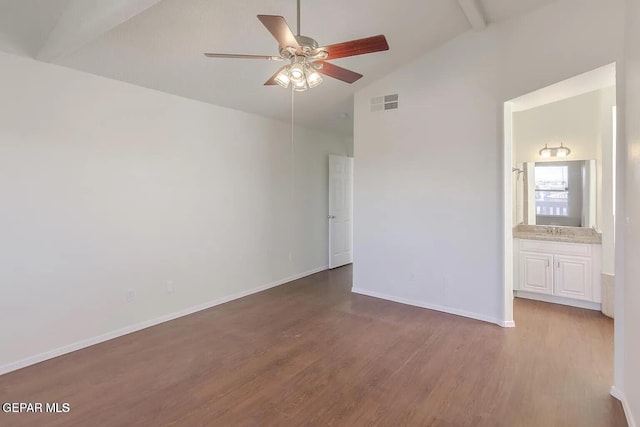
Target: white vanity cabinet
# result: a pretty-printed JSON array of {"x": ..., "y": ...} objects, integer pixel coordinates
[
  {"x": 536, "y": 272},
  {"x": 573, "y": 277},
  {"x": 562, "y": 272}
]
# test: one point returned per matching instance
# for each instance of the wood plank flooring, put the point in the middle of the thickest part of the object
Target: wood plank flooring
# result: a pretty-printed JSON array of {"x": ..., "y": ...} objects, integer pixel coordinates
[{"x": 311, "y": 353}]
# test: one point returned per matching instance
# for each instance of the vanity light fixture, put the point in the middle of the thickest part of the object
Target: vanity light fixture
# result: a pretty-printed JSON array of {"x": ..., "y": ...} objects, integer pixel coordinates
[{"x": 560, "y": 151}]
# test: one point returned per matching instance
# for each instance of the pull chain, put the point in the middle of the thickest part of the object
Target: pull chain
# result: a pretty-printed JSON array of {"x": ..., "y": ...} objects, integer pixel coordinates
[{"x": 291, "y": 179}]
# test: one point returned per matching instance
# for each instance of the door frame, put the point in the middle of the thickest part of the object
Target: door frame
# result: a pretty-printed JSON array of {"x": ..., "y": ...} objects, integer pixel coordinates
[{"x": 507, "y": 216}]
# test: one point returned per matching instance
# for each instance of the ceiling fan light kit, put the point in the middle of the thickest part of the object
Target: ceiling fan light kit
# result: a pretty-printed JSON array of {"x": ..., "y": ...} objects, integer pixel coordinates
[
  {"x": 301, "y": 74},
  {"x": 307, "y": 61}
]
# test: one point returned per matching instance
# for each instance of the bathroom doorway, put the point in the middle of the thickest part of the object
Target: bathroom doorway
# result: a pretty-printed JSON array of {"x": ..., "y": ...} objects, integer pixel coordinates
[
  {"x": 559, "y": 205},
  {"x": 560, "y": 216}
]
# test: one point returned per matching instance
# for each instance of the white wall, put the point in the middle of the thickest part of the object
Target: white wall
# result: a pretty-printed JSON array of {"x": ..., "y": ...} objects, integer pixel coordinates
[
  {"x": 574, "y": 121},
  {"x": 107, "y": 186},
  {"x": 584, "y": 124},
  {"x": 631, "y": 233},
  {"x": 428, "y": 182}
]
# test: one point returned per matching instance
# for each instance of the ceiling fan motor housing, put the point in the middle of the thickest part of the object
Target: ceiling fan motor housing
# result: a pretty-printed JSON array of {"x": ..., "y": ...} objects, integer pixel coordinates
[
  {"x": 308, "y": 48},
  {"x": 307, "y": 42}
]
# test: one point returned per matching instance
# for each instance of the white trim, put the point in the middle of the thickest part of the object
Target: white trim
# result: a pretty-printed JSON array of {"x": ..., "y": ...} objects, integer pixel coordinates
[
  {"x": 559, "y": 300},
  {"x": 618, "y": 394},
  {"x": 32, "y": 360},
  {"x": 429, "y": 306},
  {"x": 508, "y": 324},
  {"x": 507, "y": 214}
]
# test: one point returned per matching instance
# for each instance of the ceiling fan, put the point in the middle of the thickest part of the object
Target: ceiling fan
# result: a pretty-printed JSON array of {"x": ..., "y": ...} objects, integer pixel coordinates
[{"x": 307, "y": 59}]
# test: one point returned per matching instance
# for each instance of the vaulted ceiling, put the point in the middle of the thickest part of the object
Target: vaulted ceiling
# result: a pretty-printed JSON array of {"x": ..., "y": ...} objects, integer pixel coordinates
[{"x": 159, "y": 44}]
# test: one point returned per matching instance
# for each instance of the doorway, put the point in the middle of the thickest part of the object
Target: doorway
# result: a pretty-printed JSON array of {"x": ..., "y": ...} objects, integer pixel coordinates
[
  {"x": 577, "y": 114},
  {"x": 562, "y": 277},
  {"x": 559, "y": 159}
]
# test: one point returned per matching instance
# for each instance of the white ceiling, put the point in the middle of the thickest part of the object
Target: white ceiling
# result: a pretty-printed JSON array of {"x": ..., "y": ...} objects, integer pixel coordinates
[
  {"x": 599, "y": 78},
  {"x": 26, "y": 24},
  {"x": 159, "y": 44}
]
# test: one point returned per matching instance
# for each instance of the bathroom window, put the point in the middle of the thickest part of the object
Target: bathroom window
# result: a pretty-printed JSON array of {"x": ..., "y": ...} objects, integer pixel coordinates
[
  {"x": 560, "y": 193},
  {"x": 552, "y": 191}
]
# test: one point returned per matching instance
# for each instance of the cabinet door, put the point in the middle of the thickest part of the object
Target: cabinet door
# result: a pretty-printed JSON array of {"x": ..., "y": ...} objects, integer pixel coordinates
[
  {"x": 573, "y": 277},
  {"x": 536, "y": 272}
]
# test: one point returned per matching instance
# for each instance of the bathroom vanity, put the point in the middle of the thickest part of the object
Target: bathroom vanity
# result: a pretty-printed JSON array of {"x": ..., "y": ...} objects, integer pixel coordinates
[{"x": 558, "y": 264}]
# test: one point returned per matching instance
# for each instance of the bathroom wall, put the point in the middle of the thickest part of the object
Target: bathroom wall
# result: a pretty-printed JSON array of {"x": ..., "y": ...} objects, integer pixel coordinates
[{"x": 585, "y": 124}]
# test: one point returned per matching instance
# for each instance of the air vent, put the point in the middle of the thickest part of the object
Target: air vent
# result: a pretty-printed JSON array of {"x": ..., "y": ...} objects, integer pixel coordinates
[{"x": 382, "y": 103}]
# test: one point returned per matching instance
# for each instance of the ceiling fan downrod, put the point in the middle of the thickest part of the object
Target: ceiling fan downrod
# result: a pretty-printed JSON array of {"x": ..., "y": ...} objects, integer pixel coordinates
[{"x": 298, "y": 15}]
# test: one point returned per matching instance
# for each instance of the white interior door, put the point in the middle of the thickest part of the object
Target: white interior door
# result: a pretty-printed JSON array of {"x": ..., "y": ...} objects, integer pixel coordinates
[{"x": 340, "y": 211}]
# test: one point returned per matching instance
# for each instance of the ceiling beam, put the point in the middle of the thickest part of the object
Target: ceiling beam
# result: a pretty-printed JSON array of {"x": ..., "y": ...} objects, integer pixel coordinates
[
  {"x": 84, "y": 21},
  {"x": 474, "y": 14}
]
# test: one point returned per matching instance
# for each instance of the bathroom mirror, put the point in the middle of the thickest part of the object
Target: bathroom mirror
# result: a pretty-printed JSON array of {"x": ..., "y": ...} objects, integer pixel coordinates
[{"x": 559, "y": 193}]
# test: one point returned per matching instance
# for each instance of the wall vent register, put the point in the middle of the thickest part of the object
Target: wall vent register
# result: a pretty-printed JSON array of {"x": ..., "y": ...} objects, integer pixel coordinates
[{"x": 382, "y": 103}]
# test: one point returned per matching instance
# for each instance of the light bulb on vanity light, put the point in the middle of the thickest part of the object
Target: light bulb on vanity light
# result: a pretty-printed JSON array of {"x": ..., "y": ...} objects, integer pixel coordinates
[{"x": 562, "y": 151}]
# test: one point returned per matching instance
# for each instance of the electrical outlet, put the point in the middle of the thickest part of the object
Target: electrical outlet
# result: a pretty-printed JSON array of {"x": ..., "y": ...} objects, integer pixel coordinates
[
  {"x": 169, "y": 286},
  {"x": 290, "y": 257},
  {"x": 130, "y": 295}
]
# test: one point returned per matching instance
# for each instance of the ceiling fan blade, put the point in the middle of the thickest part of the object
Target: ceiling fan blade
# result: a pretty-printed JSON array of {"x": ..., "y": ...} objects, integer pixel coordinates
[
  {"x": 272, "y": 80},
  {"x": 235, "y": 56},
  {"x": 356, "y": 47},
  {"x": 278, "y": 27},
  {"x": 332, "y": 70}
]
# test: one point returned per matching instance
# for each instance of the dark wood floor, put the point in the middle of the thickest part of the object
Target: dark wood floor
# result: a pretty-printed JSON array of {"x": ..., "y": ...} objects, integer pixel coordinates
[{"x": 312, "y": 353}]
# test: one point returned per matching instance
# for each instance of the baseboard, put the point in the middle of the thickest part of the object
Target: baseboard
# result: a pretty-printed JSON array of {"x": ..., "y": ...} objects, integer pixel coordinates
[
  {"x": 448, "y": 310},
  {"x": 559, "y": 300},
  {"x": 13, "y": 366},
  {"x": 508, "y": 323},
  {"x": 618, "y": 394},
  {"x": 608, "y": 290},
  {"x": 615, "y": 392}
]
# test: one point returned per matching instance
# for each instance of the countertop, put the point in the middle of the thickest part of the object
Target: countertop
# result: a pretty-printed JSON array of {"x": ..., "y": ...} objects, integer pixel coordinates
[{"x": 557, "y": 234}]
